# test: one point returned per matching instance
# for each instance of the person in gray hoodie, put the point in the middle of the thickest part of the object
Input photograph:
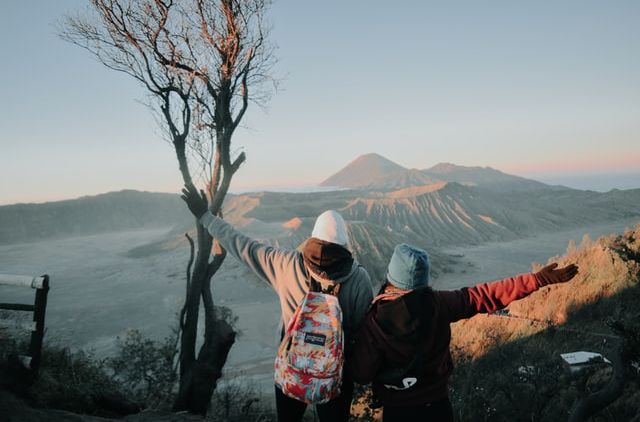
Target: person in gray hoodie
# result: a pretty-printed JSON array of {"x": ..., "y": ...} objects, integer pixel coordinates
[{"x": 325, "y": 257}]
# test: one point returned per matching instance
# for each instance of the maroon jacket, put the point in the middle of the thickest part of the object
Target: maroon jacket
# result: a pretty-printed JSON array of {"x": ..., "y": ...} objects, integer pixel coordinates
[{"x": 407, "y": 339}]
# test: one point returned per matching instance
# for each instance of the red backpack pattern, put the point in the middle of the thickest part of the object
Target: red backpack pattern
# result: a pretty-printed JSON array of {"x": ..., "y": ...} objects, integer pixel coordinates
[{"x": 310, "y": 359}]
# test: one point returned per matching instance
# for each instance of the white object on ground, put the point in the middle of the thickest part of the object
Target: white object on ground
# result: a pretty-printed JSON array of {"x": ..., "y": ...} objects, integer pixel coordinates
[{"x": 581, "y": 358}]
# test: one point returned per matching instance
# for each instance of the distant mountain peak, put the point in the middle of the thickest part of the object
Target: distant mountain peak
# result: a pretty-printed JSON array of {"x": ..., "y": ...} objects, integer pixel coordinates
[
  {"x": 368, "y": 170},
  {"x": 373, "y": 159},
  {"x": 371, "y": 155}
]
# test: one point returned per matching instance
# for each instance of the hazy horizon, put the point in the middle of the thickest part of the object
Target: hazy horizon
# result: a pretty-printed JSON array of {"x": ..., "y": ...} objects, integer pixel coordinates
[{"x": 599, "y": 182}]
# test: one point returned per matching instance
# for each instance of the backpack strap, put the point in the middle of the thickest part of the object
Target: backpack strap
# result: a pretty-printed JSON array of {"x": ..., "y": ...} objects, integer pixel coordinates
[
  {"x": 333, "y": 289},
  {"x": 316, "y": 286}
]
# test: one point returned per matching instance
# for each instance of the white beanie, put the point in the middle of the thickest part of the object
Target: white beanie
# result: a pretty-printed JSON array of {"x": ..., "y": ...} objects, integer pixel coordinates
[{"x": 330, "y": 227}]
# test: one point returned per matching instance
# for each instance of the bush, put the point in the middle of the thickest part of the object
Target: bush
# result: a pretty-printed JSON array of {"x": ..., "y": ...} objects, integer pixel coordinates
[
  {"x": 238, "y": 401},
  {"x": 77, "y": 382},
  {"x": 146, "y": 368}
]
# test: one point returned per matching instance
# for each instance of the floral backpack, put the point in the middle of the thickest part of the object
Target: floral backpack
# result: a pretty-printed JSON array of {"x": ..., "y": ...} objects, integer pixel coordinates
[{"x": 311, "y": 355}]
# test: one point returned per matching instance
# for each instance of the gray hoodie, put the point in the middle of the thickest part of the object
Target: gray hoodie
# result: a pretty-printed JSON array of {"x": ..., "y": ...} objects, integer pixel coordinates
[{"x": 285, "y": 271}]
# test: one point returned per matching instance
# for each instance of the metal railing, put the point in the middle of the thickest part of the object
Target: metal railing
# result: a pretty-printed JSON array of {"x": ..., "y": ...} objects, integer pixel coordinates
[{"x": 39, "y": 308}]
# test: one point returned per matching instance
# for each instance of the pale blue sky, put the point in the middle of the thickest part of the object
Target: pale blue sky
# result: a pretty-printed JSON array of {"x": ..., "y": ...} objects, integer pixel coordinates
[{"x": 544, "y": 89}]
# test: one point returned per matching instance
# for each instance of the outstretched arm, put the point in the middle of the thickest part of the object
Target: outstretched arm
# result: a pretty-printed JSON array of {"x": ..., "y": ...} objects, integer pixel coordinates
[
  {"x": 264, "y": 260},
  {"x": 490, "y": 297}
]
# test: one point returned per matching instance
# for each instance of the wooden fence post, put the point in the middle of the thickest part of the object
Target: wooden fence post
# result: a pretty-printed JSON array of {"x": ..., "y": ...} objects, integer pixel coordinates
[
  {"x": 40, "y": 304},
  {"x": 39, "y": 309}
]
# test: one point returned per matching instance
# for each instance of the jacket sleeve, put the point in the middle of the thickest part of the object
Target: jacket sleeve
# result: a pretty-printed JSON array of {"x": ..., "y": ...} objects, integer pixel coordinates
[
  {"x": 365, "y": 357},
  {"x": 265, "y": 261},
  {"x": 487, "y": 297}
]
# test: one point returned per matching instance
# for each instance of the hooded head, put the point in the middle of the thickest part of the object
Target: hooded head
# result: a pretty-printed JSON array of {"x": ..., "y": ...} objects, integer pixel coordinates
[
  {"x": 326, "y": 253},
  {"x": 408, "y": 268},
  {"x": 330, "y": 227}
]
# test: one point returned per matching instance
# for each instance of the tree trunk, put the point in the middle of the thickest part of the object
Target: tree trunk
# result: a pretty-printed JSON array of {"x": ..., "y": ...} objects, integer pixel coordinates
[
  {"x": 199, "y": 377},
  {"x": 207, "y": 370}
]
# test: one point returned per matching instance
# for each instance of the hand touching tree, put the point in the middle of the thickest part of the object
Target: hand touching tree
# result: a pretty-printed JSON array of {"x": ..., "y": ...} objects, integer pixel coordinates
[{"x": 197, "y": 202}]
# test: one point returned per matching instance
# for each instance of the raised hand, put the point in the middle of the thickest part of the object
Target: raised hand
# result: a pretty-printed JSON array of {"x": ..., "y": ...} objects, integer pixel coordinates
[
  {"x": 197, "y": 202},
  {"x": 552, "y": 275}
]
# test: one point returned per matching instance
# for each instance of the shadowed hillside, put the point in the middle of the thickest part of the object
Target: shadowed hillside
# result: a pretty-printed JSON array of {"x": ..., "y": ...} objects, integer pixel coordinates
[
  {"x": 114, "y": 211},
  {"x": 509, "y": 367},
  {"x": 445, "y": 214}
]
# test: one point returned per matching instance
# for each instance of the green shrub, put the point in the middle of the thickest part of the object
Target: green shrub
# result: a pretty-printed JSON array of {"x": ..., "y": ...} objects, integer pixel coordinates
[
  {"x": 74, "y": 381},
  {"x": 238, "y": 401},
  {"x": 147, "y": 368}
]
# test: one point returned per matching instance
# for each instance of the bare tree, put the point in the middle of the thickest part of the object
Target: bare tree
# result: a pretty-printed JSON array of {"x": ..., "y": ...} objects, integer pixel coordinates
[{"x": 201, "y": 63}]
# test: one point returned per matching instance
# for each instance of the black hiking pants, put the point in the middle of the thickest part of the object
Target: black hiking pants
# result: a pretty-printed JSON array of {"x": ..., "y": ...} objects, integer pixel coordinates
[
  {"x": 439, "y": 411},
  {"x": 337, "y": 410}
]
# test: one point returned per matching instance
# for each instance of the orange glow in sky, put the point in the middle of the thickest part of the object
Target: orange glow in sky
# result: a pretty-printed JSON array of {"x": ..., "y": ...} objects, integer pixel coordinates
[{"x": 555, "y": 165}]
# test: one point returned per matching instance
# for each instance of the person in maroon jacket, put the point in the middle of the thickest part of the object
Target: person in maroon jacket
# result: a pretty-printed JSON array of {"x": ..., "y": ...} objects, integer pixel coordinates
[{"x": 403, "y": 345}]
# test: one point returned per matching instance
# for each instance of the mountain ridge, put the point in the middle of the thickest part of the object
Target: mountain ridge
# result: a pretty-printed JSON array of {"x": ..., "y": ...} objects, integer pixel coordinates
[
  {"x": 373, "y": 171},
  {"x": 443, "y": 215},
  {"x": 113, "y": 211}
]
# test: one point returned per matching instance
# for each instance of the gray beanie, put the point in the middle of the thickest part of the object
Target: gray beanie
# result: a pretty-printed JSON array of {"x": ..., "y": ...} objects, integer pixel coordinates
[{"x": 408, "y": 268}]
